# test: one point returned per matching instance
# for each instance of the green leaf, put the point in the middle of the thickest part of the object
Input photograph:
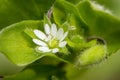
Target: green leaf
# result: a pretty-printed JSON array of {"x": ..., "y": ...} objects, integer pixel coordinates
[
  {"x": 74, "y": 1},
  {"x": 27, "y": 74},
  {"x": 101, "y": 24},
  {"x": 17, "y": 45},
  {"x": 12, "y": 11},
  {"x": 42, "y": 69},
  {"x": 65, "y": 13},
  {"x": 112, "y": 5},
  {"x": 76, "y": 42}
]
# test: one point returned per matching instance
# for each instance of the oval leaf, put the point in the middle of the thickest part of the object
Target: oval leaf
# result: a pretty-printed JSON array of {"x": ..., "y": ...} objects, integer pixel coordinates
[{"x": 17, "y": 45}]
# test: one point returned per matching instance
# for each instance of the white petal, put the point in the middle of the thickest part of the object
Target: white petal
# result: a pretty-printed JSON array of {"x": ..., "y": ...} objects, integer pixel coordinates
[
  {"x": 44, "y": 49},
  {"x": 55, "y": 50},
  {"x": 38, "y": 42},
  {"x": 53, "y": 30},
  {"x": 47, "y": 29},
  {"x": 62, "y": 44},
  {"x": 59, "y": 34},
  {"x": 48, "y": 38},
  {"x": 63, "y": 37},
  {"x": 40, "y": 34}
]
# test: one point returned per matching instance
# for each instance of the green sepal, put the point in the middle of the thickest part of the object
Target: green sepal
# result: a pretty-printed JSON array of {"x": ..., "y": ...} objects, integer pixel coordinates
[{"x": 47, "y": 20}]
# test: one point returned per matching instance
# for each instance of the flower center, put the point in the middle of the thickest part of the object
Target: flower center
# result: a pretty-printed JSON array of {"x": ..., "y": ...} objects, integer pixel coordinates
[{"x": 53, "y": 43}]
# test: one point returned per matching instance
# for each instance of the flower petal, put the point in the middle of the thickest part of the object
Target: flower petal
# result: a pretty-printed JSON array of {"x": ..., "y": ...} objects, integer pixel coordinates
[
  {"x": 59, "y": 34},
  {"x": 38, "y": 42},
  {"x": 53, "y": 30},
  {"x": 40, "y": 34},
  {"x": 62, "y": 44},
  {"x": 48, "y": 38},
  {"x": 63, "y": 37},
  {"x": 47, "y": 29},
  {"x": 44, "y": 49},
  {"x": 55, "y": 50}
]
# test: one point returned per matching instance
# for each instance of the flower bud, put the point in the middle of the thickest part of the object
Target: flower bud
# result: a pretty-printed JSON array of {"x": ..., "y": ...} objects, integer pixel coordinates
[{"x": 93, "y": 55}]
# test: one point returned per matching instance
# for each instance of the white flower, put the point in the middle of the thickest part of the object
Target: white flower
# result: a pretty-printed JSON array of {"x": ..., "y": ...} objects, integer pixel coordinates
[{"x": 51, "y": 40}]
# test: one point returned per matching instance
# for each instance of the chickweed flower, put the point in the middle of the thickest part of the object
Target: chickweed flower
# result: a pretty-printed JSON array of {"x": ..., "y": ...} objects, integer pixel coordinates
[{"x": 50, "y": 41}]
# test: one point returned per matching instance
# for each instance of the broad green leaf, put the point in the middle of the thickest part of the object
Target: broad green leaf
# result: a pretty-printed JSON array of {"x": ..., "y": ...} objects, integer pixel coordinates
[
  {"x": 101, "y": 24},
  {"x": 17, "y": 45},
  {"x": 12, "y": 11}
]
